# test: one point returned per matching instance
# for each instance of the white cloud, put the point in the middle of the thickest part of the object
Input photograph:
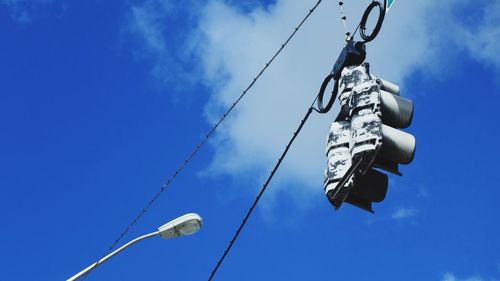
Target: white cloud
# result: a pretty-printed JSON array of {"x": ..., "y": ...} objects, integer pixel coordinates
[
  {"x": 147, "y": 23},
  {"x": 403, "y": 213},
  {"x": 482, "y": 39},
  {"x": 153, "y": 23},
  {"x": 232, "y": 44},
  {"x": 236, "y": 45},
  {"x": 451, "y": 277}
]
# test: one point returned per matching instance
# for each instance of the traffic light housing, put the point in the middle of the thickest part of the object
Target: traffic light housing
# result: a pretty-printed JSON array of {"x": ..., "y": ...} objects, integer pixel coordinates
[
  {"x": 397, "y": 113},
  {"x": 370, "y": 187},
  {"x": 374, "y": 112}
]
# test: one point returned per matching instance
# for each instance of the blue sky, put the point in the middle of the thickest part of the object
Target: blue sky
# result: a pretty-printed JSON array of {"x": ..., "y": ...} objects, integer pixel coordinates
[{"x": 100, "y": 101}]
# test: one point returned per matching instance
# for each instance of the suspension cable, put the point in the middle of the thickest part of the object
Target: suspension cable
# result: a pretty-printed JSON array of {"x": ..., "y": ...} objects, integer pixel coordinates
[
  {"x": 382, "y": 8},
  {"x": 263, "y": 189},
  {"x": 209, "y": 134},
  {"x": 343, "y": 18}
]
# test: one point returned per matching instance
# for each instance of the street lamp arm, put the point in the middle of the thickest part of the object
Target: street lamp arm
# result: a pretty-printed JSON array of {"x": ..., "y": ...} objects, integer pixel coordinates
[
  {"x": 183, "y": 225},
  {"x": 101, "y": 261}
]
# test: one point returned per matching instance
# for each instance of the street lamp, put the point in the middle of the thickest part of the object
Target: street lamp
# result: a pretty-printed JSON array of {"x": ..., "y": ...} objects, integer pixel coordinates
[{"x": 185, "y": 225}]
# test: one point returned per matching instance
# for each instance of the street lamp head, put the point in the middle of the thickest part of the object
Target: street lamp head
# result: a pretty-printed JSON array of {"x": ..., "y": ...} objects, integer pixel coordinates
[{"x": 186, "y": 225}]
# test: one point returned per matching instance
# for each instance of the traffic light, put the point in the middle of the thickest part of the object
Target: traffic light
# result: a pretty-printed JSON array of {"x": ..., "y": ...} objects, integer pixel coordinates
[
  {"x": 370, "y": 187},
  {"x": 366, "y": 135},
  {"x": 397, "y": 113}
]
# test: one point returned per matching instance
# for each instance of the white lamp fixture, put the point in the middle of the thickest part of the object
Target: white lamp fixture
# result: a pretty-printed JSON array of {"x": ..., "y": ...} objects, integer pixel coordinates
[{"x": 186, "y": 225}]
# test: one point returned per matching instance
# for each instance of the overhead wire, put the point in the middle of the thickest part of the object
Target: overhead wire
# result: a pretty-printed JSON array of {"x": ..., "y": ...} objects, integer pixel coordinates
[
  {"x": 209, "y": 134},
  {"x": 263, "y": 189}
]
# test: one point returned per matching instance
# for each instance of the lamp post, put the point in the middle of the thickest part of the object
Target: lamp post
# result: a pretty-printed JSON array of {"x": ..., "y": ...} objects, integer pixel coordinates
[{"x": 185, "y": 225}]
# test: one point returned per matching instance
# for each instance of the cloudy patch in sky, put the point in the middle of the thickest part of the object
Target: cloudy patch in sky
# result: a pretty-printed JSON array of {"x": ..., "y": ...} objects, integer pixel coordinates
[
  {"x": 17, "y": 13},
  {"x": 231, "y": 43},
  {"x": 25, "y": 11},
  {"x": 235, "y": 45},
  {"x": 404, "y": 213},
  {"x": 452, "y": 277},
  {"x": 481, "y": 39},
  {"x": 152, "y": 24}
]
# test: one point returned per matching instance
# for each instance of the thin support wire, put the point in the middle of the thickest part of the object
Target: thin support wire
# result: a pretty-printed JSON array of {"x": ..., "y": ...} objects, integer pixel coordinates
[
  {"x": 343, "y": 18},
  {"x": 263, "y": 189}
]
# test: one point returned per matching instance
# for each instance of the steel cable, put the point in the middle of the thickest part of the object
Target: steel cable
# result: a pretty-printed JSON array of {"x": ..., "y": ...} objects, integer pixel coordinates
[{"x": 263, "y": 189}]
